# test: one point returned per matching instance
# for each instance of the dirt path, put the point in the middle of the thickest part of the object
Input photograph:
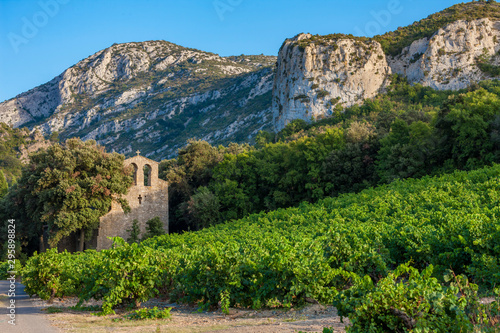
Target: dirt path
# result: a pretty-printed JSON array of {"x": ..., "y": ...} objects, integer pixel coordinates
[
  {"x": 312, "y": 318},
  {"x": 28, "y": 317}
]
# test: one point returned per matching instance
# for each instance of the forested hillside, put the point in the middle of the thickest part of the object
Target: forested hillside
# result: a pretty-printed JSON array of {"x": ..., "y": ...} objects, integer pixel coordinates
[
  {"x": 409, "y": 132},
  {"x": 15, "y": 146}
]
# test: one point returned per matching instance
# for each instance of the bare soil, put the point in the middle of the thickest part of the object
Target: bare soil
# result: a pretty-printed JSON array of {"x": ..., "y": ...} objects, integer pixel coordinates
[{"x": 311, "y": 318}]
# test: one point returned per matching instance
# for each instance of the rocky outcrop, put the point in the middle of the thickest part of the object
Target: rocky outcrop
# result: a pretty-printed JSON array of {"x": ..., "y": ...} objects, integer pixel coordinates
[
  {"x": 34, "y": 142},
  {"x": 317, "y": 75},
  {"x": 448, "y": 60},
  {"x": 151, "y": 96},
  {"x": 155, "y": 95},
  {"x": 35, "y": 104}
]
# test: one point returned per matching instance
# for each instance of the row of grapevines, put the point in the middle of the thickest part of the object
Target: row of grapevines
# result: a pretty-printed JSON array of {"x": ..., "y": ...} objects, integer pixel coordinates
[{"x": 310, "y": 251}]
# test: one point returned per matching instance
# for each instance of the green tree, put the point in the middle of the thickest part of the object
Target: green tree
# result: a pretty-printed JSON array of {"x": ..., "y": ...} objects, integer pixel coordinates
[
  {"x": 495, "y": 137},
  {"x": 202, "y": 208},
  {"x": 134, "y": 232},
  {"x": 278, "y": 175},
  {"x": 12, "y": 139},
  {"x": 192, "y": 169},
  {"x": 154, "y": 227},
  {"x": 4, "y": 187},
  {"x": 467, "y": 122},
  {"x": 407, "y": 151},
  {"x": 234, "y": 201},
  {"x": 54, "y": 137},
  {"x": 293, "y": 127},
  {"x": 350, "y": 169},
  {"x": 262, "y": 138},
  {"x": 67, "y": 188}
]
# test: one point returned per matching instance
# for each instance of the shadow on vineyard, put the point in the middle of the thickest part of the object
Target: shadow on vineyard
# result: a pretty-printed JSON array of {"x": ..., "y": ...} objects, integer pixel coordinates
[{"x": 393, "y": 258}]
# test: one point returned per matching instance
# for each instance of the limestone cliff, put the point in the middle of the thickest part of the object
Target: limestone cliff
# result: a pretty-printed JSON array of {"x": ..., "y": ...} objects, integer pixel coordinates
[
  {"x": 319, "y": 74},
  {"x": 151, "y": 96},
  {"x": 316, "y": 75},
  {"x": 448, "y": 60}
]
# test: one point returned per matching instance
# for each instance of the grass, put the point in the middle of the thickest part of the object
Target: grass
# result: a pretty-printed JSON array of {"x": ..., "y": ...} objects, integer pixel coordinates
[
  {"x": 3, "y": 300},
  {"x": 53, "y": 309}
]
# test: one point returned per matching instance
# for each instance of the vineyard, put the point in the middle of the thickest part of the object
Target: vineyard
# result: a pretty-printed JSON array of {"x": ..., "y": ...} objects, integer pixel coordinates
[{"x": 407, "y": 241}]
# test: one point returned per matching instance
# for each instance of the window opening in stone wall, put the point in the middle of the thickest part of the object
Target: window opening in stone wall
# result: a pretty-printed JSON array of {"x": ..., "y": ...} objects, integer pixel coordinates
[
  {"x": 147, "y": 175},
  {"x": 135, "y": 173}
]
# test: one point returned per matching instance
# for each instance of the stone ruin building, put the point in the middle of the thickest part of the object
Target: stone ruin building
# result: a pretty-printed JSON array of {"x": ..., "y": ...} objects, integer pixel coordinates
[{"x": 147, "y": 198}]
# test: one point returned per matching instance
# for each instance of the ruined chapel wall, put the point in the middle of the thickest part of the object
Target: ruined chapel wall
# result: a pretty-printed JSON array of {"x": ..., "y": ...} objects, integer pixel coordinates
[{"x": 146, "y": 202}]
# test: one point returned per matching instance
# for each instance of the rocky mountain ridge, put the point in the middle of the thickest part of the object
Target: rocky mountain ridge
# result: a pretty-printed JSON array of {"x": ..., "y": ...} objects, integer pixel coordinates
[
  {"x": 151, "y": 96},
  {"x": 155, "y": 95},
  {"x": 318, "y": 75}
]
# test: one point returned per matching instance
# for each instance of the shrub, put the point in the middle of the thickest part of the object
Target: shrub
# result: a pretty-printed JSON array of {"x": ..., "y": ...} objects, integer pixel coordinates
[
  {"x": 416, "y": 57},
  {"x": 153, "y": 313},
  {"x": 486, "y": 66},
  {"x": 134, "y": 232},
  {"x": 302, "y": 98},
  {"x": 52, "y": 309},
  {"x": 51, "y": 274},
  {"x": 124, "y": 274},
  {"x": 5, "y": 267},
  {"x": 4, "y": 187},
  {"x": 405, "y": 300},
  {"x": 322, "y": 94},
  {"x": 203, "y": 208},
  {"x": 154, "y": 227}
]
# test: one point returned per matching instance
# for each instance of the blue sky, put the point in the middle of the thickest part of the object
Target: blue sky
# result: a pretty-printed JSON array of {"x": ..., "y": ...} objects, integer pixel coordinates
[{"x": 39, "y": 39}]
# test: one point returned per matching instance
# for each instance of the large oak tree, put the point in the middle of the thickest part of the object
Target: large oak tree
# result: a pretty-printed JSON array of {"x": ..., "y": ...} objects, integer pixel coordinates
[{"x": 66, "y": 188}]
